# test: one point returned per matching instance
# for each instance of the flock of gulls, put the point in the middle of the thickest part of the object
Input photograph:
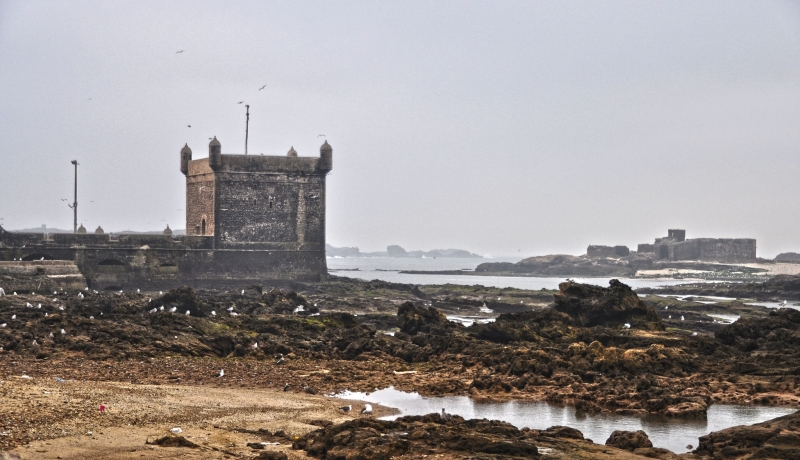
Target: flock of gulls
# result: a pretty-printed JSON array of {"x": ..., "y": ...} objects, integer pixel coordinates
[{"x": 279, "y": 358}]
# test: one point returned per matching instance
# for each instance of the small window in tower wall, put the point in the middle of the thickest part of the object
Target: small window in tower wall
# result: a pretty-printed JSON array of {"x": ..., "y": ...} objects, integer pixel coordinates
[{"x": 203, "y": 227}]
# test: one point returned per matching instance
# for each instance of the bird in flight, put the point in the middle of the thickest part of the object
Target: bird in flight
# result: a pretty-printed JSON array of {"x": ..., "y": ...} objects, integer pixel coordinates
[
  {"x": 179, "y": 52},
  {"x": 189, "y": 126},
  {"x": 240, "y": 102},
  {"x": 262, "y": 87},
  {"x": 63, "y": 199},
  {"x": 321, "y": 135}
]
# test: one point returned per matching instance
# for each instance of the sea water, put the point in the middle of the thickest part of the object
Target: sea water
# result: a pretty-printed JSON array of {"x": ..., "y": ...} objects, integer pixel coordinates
[{"x": 673, "y": 433}]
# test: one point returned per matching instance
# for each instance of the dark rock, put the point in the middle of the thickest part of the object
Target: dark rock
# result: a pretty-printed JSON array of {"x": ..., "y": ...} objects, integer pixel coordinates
[
  {"x": 559, "y": 431},
  {"x": 777, "y": 438},
  {"x": 173, "y": 441},
  {"x": 614, "y": 306},
  {"x": 271, "y": 455},
  {"x": 782, "y": 326},
  {"x": 415, "y": 436},
  {"x": 629, "y": 440},
  {"x": 413, "y": 320}
]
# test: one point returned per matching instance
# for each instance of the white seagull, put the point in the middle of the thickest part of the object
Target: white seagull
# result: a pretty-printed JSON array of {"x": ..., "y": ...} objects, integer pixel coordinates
[
  {"x": 187, "y": 312},
  {"x": 681, "y": 317},
  {"x": 173, "y": 309},
  {"x": 626, "y": 326},
  {"x": 213, "y": 313},
  {"x": 367, "y": 409},
  {"x": 347, "y": 408},
  {"x": 222, "y": 372}
]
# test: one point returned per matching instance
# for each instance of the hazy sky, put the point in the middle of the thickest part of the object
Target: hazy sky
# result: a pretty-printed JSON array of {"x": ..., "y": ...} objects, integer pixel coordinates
[{"x": 489, "y": 126}]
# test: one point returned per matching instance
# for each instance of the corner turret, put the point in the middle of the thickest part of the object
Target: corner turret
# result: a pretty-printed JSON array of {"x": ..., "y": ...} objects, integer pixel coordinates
[
  {"x": 292, "y": 152},
  {"x": 186, "y": 157},
  {"x": 325, "y": 157},
  {"x": 214, "y": 154}
]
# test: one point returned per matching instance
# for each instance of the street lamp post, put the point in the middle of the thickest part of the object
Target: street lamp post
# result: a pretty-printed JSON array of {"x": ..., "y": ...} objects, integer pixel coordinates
[{"x": 75, "y": 202}]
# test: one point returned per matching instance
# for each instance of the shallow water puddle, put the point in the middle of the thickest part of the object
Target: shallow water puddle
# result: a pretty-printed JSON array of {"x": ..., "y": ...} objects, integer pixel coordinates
[{"x": 667, "y": 432}]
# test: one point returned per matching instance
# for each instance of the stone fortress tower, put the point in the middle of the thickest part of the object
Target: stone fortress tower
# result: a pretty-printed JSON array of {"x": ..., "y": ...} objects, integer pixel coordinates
[{"x": 274, "y": 205}]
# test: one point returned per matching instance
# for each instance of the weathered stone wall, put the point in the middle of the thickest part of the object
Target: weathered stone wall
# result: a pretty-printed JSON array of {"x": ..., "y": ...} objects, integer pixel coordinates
[
  {"x": 40, "y": 275},
  {"x": 710, "y": 249},
  {"x": 200, "y": 192},
  {"x": 646, "y": 248},
  {"x": 728, "y": 249},
  {"x": 601, "y": 252},
  {"x": 155, "y": 261}
]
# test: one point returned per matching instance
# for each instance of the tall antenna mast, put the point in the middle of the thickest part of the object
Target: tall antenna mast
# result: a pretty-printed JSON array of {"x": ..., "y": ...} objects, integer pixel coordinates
[
  {"x": 74, "y": 205},
  {"x": 246, "y": 129}
]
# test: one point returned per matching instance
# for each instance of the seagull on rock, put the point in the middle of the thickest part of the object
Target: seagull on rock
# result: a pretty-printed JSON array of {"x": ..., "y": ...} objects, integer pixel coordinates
[
  {"x": 681, "y": 317},
  {"x": 2, "y": 292},
  {"x": 309, "y": 390},
  {"x": 445, "y": 416},
  {"x": 367, "y": 409},
  {"x": 213, "y": 313},
  {"x": 188, "y": 312},
  {"x": 626, "y": 326},
  {"x": 286, "y": 387},
  {"x": 347, "y": 408},
  {"x": 221, "y": 373},
  {"x": 173, "y": 309}
]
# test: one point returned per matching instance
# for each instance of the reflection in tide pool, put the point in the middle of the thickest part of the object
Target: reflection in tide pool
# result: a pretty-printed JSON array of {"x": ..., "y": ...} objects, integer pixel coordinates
[{"x": 667, "y": 432}]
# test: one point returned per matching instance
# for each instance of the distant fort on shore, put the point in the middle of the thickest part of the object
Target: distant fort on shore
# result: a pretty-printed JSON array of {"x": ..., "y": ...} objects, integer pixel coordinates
[
  {"x": 675, "y": 246},
  {"x": 248, "y": 218}
]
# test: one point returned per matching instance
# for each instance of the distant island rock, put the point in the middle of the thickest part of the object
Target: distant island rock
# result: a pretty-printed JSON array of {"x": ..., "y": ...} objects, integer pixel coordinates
[
  {"x": 790, "y": 257},
  {"x": 398, "y": 252},
  {"x": 564, "y": 265}
]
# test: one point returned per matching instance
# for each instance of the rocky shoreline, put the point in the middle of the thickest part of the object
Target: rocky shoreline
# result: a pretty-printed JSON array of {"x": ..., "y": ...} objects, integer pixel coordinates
[{"x": 599, "y": 349}]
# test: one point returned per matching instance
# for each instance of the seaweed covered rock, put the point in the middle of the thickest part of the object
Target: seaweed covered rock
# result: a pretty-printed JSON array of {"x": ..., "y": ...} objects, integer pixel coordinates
[
  {"x": 415, "y": 436},
  {"x": 629, "y": 440},
  {"x": 614, "y": 306},
  {"x": 185, "y": 298},
  {"x": 780, "y": 328},
  {"x": 777, "y": 438},
  {"x": 412, "y": 320}
]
